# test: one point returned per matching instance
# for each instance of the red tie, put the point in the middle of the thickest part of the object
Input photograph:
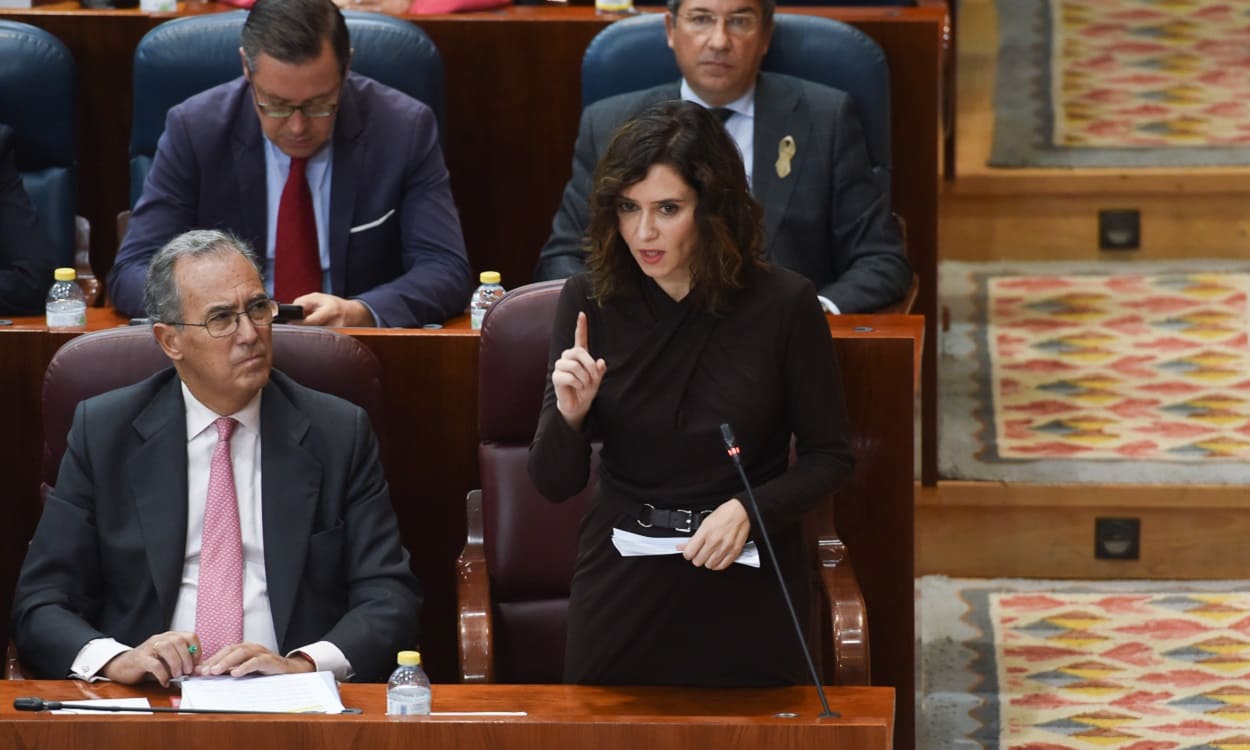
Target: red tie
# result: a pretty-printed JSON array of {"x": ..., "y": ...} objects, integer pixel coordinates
[
  {"x": 297, "y": 260},
  {"x": 219, "y": 599}
]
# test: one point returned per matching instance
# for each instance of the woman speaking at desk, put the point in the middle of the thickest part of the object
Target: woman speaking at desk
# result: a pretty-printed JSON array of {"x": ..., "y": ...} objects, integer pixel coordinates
[{"x": 677, "y": 327}]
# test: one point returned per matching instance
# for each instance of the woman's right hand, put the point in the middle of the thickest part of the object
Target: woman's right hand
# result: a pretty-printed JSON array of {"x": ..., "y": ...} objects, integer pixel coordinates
[{"x": 576, "y": 377}]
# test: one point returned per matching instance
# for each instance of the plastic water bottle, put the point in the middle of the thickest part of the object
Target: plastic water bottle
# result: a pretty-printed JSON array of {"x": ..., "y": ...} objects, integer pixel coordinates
[
  {"x": 408, "y": 690},
  {"x": 67, "y": 305},
  {"x": 483, "y": 297}
]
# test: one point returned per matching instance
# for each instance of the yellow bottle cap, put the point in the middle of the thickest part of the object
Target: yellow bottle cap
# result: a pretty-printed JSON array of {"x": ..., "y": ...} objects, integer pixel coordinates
[
  {"x": 489, "y": 277},
  {"x": 408, "y": 658},
  {"x": 64, "y": 274}
]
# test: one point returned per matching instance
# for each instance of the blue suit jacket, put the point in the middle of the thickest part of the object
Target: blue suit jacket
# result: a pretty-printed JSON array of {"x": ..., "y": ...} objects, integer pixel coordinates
[
  {"x": 829, "y": 219},
  {"x": 209, "y": 173},
  {"x": 26, "y": 253},
  {"x": 108, "y": 554}
]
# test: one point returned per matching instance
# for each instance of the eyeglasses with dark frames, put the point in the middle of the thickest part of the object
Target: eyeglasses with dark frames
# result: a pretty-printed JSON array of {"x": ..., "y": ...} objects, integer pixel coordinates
[
  {"x": 736, "y": 24},
  {"x": 316, "y": 110},
  {"x": 222, "y": 323}
]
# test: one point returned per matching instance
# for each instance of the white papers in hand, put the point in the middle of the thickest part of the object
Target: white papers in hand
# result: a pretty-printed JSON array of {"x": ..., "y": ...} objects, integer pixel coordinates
[
  {"x": 119, "y": 702},
  {"x": 314, "y": 693},
  {"x": 630, "y": 544}
]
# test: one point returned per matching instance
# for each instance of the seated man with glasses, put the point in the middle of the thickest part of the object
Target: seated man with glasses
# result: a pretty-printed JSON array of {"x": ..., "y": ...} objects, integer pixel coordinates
[
  {"x": 216, "y": 517},
  {"x": 338, "y": 179},
  {"x": 827, "y": 213}
]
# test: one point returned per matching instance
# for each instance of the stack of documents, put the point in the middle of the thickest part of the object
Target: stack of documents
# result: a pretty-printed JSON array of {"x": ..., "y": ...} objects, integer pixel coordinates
[
  {"x": 314, "y": 693},
  {"x": 630, "y": 544}
]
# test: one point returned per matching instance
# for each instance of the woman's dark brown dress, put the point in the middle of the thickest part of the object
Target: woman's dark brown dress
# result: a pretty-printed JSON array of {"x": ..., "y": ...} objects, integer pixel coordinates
[{"x": 675, "y": 373}]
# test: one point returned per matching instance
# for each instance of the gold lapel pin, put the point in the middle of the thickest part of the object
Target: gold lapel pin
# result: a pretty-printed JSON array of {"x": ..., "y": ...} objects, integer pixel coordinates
[{"x": 786, "y": 150}]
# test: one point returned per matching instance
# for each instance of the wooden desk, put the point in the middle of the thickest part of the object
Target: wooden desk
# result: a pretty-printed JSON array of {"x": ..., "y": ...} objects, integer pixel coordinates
[
  {"x": 559, "y": 716},
  {"x": 430, "y": 454},
  {"x": 512, "y": 107}
]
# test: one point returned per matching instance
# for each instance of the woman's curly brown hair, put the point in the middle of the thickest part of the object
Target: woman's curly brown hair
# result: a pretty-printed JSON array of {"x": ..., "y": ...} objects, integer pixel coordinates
[{"x": 693, "y": 143}]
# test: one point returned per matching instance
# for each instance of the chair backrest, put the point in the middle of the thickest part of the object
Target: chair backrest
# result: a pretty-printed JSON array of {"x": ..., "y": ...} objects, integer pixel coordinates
[
  {"x": 632, "y": 54},
  {"x": 530, "y": 543},
  {"x": 185, "y": 56},
  {"x": 97, "y": 362},
  {"x": 37, "y": 100}
]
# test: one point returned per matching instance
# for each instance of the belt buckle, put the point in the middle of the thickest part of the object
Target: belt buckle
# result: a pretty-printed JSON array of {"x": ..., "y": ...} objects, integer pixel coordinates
[
  {"x": 684, "y": 526},
  {"x": 646, "y": 510}
]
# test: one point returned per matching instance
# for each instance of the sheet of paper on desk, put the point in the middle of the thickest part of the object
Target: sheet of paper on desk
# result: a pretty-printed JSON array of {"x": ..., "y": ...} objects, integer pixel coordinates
[
  {"x": 121, "y": 702},
  {"x": 289, "y": 693},
  {"x": 630, "y": 544}
]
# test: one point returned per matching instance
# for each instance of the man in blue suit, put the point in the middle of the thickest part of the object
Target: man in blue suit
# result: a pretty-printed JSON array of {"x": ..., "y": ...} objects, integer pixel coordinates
[{"x": 368, "y": 235}]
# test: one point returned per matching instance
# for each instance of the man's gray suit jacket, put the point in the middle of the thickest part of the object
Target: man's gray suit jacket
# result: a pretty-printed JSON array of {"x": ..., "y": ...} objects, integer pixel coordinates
[
  {"x": 829, "y": 219},
  {"x": 107, "y": 557}
]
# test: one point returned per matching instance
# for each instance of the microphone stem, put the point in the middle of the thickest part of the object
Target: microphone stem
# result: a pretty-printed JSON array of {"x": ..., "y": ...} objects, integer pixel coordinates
[
  {"x": 59, "y": 705},
  {"x": 826, "y": 713}
]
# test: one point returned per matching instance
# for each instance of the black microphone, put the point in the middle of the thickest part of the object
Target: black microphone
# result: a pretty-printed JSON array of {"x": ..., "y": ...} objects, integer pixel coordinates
[
  {"x": 727, "y": 434},
  {"x": 39, "y": 704}
]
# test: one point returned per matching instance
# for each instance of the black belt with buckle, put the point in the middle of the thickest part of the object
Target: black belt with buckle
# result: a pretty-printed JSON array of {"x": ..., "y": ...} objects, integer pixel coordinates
[{"x": 677, "y": 519}]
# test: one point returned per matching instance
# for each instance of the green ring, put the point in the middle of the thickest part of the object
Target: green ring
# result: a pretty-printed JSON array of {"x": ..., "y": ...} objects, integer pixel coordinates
[{"x": 193, "y": 649}]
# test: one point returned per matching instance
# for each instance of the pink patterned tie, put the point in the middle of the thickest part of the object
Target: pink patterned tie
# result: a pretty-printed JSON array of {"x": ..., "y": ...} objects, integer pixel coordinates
[{"x": 219, "y": 602}]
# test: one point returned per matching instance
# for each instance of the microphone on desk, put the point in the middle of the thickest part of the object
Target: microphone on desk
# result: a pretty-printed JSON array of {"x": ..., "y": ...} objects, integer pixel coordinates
[
  {"x": 731, "y": 445},
  {"x": 39, "y": 704}
]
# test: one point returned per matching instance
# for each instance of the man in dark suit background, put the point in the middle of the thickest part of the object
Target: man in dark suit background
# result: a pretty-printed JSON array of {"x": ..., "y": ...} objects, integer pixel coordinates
[
  {"x": 26, "y": 254},
  {"x": 143, "y": 565},
  {"x": 380, "y": 243},
  {"x": 826, "y": 212}
]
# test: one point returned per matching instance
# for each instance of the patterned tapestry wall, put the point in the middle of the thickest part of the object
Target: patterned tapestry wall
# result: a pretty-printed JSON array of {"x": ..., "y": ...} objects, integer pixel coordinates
[{"x": 1120, "y": 367}]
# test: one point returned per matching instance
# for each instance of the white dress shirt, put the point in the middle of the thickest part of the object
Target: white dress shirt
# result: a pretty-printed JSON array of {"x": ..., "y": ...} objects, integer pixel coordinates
[
  {"x": 740, "y": 125},
  {"x": 741, "y": 128},
  {"x": 257, "y": 617}
]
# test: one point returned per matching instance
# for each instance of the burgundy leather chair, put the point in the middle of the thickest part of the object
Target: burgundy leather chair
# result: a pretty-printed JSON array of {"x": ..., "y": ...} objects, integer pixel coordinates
[
  {"x": 514, "y": 572},
  {"x": 512, "y": 614},
  {"x": 97, "y": 362}
]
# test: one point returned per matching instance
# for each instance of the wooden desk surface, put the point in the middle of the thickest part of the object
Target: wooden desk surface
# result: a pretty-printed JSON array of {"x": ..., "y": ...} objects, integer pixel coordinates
[
  {"x": 840, "y": 326},
  {"x": 909, "y": 327},
  {"x": 101, "y": 318},
  {"x": 556, "y": 716}
]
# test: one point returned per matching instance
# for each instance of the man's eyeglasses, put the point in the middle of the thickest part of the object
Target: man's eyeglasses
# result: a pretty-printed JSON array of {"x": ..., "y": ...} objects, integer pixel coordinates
[
  {"x": 225, "y": 322},
  {"x": 283, "y": 111},
  {"x": 737, "y": 24}
]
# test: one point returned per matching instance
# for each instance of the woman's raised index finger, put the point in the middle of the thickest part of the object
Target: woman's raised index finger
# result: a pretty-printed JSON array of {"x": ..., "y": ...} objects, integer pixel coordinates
[{"x": 581, "y": 335}]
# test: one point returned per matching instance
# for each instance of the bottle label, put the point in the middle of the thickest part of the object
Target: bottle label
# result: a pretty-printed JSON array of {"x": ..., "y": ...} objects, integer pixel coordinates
[
  {"x": 68, "y": 318},
  {"x": 413, "y": 703}
]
